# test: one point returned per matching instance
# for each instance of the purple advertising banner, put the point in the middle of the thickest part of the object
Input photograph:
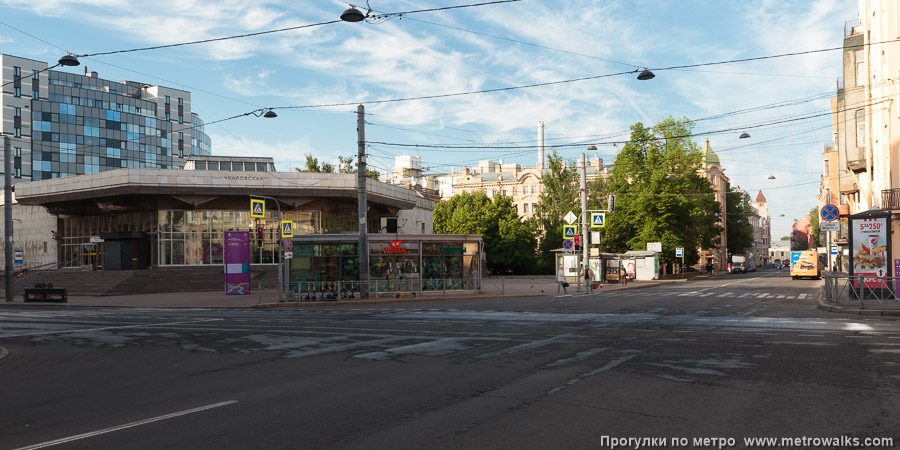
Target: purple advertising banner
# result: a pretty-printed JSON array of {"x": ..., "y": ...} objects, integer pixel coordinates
[{"x": 237, "y": 262}]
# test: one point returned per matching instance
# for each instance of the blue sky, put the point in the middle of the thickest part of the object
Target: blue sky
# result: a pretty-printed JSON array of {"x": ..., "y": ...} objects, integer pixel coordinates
[{"x": 471, "y": 49}]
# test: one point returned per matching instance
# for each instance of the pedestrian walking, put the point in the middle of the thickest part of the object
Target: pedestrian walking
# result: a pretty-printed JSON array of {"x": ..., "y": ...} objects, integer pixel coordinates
[
  {"x": 709, "y": 268},
  {"x": 588, "y": 280},
  {"x": 623, "y": 276},
  {"x": 561, "y": 281}
]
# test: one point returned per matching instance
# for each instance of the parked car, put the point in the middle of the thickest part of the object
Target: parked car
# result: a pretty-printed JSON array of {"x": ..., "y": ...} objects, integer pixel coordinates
[
  {"x": 751, "y": 268},
  {"x": 738, "y": 267}
]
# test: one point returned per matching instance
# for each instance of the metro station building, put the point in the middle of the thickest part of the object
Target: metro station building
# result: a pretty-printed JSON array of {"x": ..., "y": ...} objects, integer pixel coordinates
[{"x": 136, "y": 218}]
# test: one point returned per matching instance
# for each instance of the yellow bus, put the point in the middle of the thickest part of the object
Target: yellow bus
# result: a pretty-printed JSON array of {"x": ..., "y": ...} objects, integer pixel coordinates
[{"x": 805, "y": 263}]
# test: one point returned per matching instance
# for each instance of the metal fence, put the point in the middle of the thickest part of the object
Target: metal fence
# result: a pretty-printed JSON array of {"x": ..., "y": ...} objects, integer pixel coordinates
[
  {"x": 841, "y": 288},
  {"x": 333, "y": 291}
]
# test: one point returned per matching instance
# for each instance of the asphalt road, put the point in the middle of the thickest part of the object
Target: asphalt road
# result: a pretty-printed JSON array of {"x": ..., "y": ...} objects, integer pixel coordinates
[{"x": 735, "y": 357}]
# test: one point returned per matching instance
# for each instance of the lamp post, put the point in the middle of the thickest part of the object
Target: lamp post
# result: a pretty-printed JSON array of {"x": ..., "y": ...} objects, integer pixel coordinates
[
  {"x": 361, "y": 180},
  {"x": 584, "y": 221},
  {"x": 7, "y": 220}
]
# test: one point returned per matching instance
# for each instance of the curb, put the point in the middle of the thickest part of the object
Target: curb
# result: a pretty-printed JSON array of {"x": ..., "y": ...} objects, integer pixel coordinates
[
  {"x": 856, "y": 311},
  {"x": 417, "y": 299}
]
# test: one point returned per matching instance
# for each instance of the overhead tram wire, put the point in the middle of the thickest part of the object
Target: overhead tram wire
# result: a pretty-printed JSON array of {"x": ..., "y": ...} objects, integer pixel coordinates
[
  {"x": 205, "y": 41},
  {"x": 279, "y": 30},
  {"x": 445, "y": 147},
  {"x": 572, "y": 80}
]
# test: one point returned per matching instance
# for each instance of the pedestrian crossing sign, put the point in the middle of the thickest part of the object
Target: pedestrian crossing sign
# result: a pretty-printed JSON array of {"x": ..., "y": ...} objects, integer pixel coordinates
[
  {"x": 598, "y": 220},
  {"x": 569, "y": 232},
  {"x": 287, "y": 228},
  {"x": 257, "y": 208}
]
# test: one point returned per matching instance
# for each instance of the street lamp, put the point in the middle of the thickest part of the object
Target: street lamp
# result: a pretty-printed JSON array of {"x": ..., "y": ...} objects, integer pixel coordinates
[
  {"x": 353, "y": 15},
  {"x": 744, "y": 135},
  {"x": 69, "y": 60},
  {"x": 771, "y": 177},
  {"x": 646, "y": 74}
]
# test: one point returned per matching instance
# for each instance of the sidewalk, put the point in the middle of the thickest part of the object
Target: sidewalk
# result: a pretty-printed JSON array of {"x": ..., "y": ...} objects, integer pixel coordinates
[
  {"x": 523, "y": 286},
  {"x": 871, "y": 307}
]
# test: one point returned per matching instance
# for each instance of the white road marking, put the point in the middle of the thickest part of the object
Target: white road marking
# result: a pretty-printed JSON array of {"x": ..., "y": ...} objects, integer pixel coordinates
[
  {"x": 125, "y": 426},
  {"x": 801, "y": 296},
  {"x": 745, "y": 295},
  {"x": 763, "y": 295},
  {"x": 87, "y": 330},
  {"x": 780, "y": 296}
]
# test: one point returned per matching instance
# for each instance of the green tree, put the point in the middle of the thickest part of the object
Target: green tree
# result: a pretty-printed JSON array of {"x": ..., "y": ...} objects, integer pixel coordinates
[
  {"x": 737, "y": 221},
  {"x": 345, "y": 165},
  {"x": 559, "y": 196},
  {"x": 814, "y": 225},
  {"x": 659, "y": 195},
  {"x": 508, "y": 243}
]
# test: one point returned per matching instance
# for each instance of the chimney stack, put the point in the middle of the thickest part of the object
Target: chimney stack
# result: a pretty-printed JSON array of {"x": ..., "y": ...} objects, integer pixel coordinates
[{"x": 542, "y": 145}]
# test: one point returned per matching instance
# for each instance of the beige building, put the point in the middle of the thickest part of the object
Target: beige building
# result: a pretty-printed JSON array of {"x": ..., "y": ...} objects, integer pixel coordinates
[
  {"x": 866, "y": 120},
  {"x": 762, "y": 230},
  {"x": 522, "y": 184},
  {"x": 712, "y": 170}
]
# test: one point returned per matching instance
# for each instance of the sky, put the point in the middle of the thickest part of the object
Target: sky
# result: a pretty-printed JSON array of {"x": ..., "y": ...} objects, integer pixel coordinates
[{"x": 584, "y": 54}]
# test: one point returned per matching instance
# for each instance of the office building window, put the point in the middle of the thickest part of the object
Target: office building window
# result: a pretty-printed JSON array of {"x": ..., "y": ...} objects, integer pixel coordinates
[
  {"x": 168, "y": 100},
  {"x": 180, "y": 118},
  {"x": 17, "y": 71},
  {"x": 168, "y": 117},
  {"x": 827, "y": 168},
  {"x": 35, "y": 74},
  {"x": 17, "y": 132},
  {"x": 17, "y": 112},
  {"x": 35, "y": 95},
  {"x": 180, "y": 101},
  {"x": 17, "y": 92}
]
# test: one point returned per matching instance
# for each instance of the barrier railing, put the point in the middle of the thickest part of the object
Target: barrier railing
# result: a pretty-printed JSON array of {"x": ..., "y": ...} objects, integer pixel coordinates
[
  {"x": 859, "y": 289},
  {"x": 324, "y": 291}
]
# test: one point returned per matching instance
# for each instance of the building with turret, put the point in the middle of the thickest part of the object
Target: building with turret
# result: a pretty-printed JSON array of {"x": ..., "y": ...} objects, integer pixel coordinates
[{"x": 711, "y": 169}]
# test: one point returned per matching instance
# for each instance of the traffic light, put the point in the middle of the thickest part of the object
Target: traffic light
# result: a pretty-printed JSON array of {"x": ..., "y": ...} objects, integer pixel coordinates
[
  {"x": 259, "y": 234},
  {"x": 612, "y": 202}
]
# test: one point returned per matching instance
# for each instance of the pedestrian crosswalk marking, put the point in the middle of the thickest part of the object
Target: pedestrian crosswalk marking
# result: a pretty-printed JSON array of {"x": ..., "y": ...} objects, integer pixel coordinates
[
  {"x": 801, "y": 296},
  {"x": 745, "y": 295},
  {"x": 763, "y": 295},
  {"x": 780, "y": 296}
]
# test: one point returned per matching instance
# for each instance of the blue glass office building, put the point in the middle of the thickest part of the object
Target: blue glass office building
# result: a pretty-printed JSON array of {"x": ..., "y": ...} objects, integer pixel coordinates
[{"x": 62, "y": 124}]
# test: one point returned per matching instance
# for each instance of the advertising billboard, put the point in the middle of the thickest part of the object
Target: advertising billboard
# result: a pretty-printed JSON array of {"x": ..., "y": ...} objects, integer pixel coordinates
[
  {"x": 237, "y": 262},
  {"x": 870, "y": 244}
]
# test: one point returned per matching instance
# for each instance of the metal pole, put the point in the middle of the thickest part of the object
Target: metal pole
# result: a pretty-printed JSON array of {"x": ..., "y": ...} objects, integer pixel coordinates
[
  {"x": 584, "y": 219},
  {"x": 7, "y": 219},
  {"x": 361, "y": 179},
  {"x": 281, "y": 264}
]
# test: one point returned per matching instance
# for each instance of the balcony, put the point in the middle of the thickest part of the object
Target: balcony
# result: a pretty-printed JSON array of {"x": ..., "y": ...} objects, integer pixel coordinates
[
  {"x": 851, "y": 27},
  {"x": 890, "y": 199}
]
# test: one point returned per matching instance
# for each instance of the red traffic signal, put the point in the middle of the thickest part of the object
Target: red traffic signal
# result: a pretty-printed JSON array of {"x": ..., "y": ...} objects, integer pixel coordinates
[
  {"x": 259, "y": 232},
  {"x": 577, "y": 240}
]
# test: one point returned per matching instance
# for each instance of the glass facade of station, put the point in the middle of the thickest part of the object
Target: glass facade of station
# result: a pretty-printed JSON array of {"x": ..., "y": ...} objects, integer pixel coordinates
[
  {"x": 179, "y": 237},
  {"x": 414, "y": 263},
  {"x": 325, "y": 246}
]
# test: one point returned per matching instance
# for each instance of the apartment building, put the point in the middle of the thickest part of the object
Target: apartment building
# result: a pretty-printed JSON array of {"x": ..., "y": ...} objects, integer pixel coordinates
[{"x": 866, "y": 121}]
